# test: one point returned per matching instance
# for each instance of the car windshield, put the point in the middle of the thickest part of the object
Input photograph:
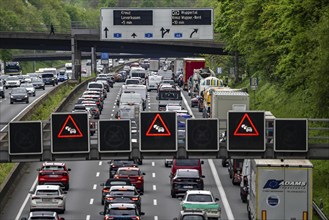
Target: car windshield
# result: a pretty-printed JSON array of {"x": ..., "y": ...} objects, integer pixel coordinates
[
  {"x": 47, "y": 192},
  {"x": 187, "y": 162},
  {"x": 190, "y": 173},
  {"x": 47, "y": 75},
  {"x": 121, "y": 211},
  {"x": 132, "y": 81},
  {"x": 199, "y": 198},
  {"x": 95, "y": 85},
  {"x": 53, "y": 168},
  {"x": 193, "y": 217},
  {"x": 12, "y": 78},
  {"x": 19, "y": 90},
  {"x": 123, "y": 162},
  {"x": 122, "y": 193},
  {"x": 128, "y": 172},
  {"x": 116, "y": 182},
  {"x": 26, "y": 85}
]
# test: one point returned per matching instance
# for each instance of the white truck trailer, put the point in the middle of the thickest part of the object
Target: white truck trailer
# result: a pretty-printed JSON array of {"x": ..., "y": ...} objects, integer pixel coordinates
[{"x": 280, "y": 189}]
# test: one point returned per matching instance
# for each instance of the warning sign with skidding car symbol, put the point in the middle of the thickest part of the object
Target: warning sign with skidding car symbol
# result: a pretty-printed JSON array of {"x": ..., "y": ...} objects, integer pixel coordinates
[
  {"x": 158, "y": 131},
  {"x": 69, "y": 133},
  {"x": 246, "y": 131}
]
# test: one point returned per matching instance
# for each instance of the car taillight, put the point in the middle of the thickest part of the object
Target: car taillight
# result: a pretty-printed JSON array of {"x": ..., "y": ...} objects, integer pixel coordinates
[
  {"x": 116, "y": 177},
  {"x": 109, "y": 198},
  {"x": 106, "y": 190},
  {"x": 135, "y": 199},
  {"x": 108, "y": 217},
  {"x": 137, "y": 218},
  {"x": 113, "y": 166},
  {"x": 140, "y": 178}
]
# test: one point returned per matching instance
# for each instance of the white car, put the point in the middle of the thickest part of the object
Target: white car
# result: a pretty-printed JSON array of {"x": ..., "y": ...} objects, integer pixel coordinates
[
  {"x": 121, "y": 61},
  {"x": 202, "y": 200},
  {"x": 48, "y": 197},
  {"x": 13, "y": 81}
]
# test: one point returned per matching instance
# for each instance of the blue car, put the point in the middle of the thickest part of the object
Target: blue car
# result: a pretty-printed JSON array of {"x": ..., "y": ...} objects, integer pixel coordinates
[
  {"x": 181, "y": 120},
  {"x": 62, "y": 76}
]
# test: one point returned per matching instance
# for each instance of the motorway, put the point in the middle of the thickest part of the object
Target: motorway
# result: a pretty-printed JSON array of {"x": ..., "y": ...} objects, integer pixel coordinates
[{"x": 84, "y": 196}]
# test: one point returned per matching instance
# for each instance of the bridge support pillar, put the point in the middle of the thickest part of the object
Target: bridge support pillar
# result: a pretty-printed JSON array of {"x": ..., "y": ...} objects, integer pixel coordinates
[
  {"x": 76, "y": 59},
  {"x": 93, "y": 60}
]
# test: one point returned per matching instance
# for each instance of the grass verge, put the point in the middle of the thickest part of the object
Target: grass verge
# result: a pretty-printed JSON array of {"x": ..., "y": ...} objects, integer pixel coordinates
[{"x": 5, "y": 169}]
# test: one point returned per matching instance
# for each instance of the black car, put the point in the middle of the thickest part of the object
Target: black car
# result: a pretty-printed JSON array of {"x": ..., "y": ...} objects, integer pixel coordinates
[
  {"x": 113, "y": 182},
  {"x": 123, "y": 194},
  {"x": 19, "y": 95},
  {"x": 49, "y": 79},
  {"x": 186, "y": 179},
  {"x": 115, "y": 164},
  {"x": 122, "y": 211},
  {"x": 38, "y": 83}
]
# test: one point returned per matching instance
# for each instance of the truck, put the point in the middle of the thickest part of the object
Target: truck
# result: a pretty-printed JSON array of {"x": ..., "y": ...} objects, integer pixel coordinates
[
  {"x": 280, "y": 189},
  {"x": 178, "y": 66},
  {"x": 189, "y": 65},
  {"x": 12, "y": 68},
  {"x": 154, "y": 65},
  {"x": 139, "y": 89}
]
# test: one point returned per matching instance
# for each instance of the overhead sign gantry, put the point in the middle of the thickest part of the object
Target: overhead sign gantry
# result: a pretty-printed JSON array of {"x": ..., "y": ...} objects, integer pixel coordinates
[{"x": 157, "y": 24}]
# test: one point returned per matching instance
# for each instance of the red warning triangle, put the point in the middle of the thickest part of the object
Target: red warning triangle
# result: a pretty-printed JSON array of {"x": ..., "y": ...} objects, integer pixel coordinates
[
  {"x": 246, "y": 127},
  {"x": 70, "y": 129},
  {"x": 158, "y": 128}
]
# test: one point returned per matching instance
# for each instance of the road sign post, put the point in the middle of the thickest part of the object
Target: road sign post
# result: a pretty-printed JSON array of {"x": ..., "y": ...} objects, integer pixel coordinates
[
  {"x": 202, "y": 135},
  {"x": 157, "y": 24},
  {"x": 246, "y": 131},
  {"x": 158, "y": 132},
  {"x": 290, "y": 135},
  {"x": 69, "y": 133},
  {"x": 25, "y": 138},
  {"x": 114, "y": 136}
]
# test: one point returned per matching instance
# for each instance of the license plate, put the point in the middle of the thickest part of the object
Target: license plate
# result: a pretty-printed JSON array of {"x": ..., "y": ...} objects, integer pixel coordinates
[
  {"x": 53, "y": 176},
  {"x": 46, "y": 200},
  {"x": 188, "y": 187},
  {"x": 18, "y": 99}
]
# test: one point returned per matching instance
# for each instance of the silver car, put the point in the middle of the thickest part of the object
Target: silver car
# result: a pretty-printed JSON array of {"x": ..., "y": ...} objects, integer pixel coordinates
[
  {"x": 29, "y": 87},
  {"x": 48, "y": 197}
]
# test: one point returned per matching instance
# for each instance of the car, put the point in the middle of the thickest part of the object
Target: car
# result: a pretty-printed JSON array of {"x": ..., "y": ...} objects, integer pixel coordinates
[
  {"x": 235, "y": 170},
  {"x": 62, "y": 76},
  {"x": 43, "y": 215},
  {"x": 195, "y": 101},
  {"x": 134, "y": 174},
  {"x": 123, "y": 194},
  {"x": 122, "y": 211},
  {"x": 132, "y": 82},
  {"x": 112, "y": 182},
  {"x": 26, "y": 79},
  {"x": 192, "y": 215},
  {"x": 202, "y": 200},
  {"x": 19, "y": 95},
  {"x": 49, "y": 78},
  {"x": 244, "y": 189},
  {"x": 48, "y": 197},
  {"x": 185, "y": 179},
  {"x": 38, "y": 83},
  {"x": 3, "y": 78},
  {"x": 79, "y": 108},
  {"x": 116, "y": 164},
  {"x": 186, "y": 164},
  {"x": 121, "y": 61},
  {"x": 96, "y": 98},
  {"x": 12, "y": 81},
  {"x": 92, "y": 106},
  {"x": 2, "y": 90},
  {"x": 29, "y": 87},
  {"x": 105, "y": 83},
  {"x": 54, "y": 173},
  {"x": 97, "y": 86}
]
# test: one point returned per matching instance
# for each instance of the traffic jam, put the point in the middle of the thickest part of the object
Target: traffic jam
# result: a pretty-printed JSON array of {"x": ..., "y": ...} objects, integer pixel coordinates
[{"x": 122, "y": 193}]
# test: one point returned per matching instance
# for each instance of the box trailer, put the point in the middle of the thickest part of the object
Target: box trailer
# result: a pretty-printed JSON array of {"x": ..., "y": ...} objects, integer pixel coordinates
[{"x": 280, "y": 189}]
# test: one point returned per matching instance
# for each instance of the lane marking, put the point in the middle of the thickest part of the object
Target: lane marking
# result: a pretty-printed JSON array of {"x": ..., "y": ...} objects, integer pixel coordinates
[
  {"x": 24, "y": 110},
  {"x": 113, "y": 110},
  {"x": 95, "y": 186},
  {"x": 153, "y": 164},
  {"x": 149, "y": 107},
  {"x": 18, "y": 217},
  {"x": 155, "y": 217},
  {"x": 153, "y": 175},
  {"x": 87, "y": 217},
  {"x": 97, "y": 174},
  {"x": 155, "y": 202},
  {"x": 113, "y": 106},
  {"x": 100, "y": 163},
  {"x": 154, "y": 187},
  {"x": 91, "y": 201},
  {"x": 112, "y": 115},
  {"x": 134, "y": 140},
  {"x": 220, "y": 188}
]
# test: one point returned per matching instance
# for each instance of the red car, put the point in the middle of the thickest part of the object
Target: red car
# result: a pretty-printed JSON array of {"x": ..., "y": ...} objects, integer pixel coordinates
[
  {"x": 134, "y": 174},
  {"x": 54, "y": 174}
]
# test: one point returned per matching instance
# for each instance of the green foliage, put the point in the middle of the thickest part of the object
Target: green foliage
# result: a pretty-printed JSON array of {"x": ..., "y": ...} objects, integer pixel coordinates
[{"x": 5, "y": 168}]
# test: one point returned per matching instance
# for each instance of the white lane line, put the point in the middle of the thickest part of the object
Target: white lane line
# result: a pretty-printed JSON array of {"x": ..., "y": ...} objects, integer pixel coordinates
[
  {"x": 220, "y": 188},
  {"x": 153, "y": 164},
  {"x": 153, "y": 175},
  {"x": 112, "y": 115},
  {"x": 149, "y": 107},
  {"x": 87, "y": 217},
  {"x": 18, "y": 217},
  {"x": 155, "y": 202},
  {"x": 97, "y": 174},
  {"x": 23, "y": 110},
  {"x": 154, "y": 187},
  {"x": 149, "y": 103},
  {"x": 95, "y": 186},
  {"x": 134, "y": 140},
  {"x": 155, "y": 217},
  {"x": 113, "y": 106},
  {"x": 113, "y": 110},
  {"x": 91, "y": 201},
  {"x": 100, "y": 163}
]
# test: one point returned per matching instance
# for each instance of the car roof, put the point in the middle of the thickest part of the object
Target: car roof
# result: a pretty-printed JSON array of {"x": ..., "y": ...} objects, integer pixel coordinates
[
  {"x": 201, "y": 192},
  {"x": 49, "y": 187}
]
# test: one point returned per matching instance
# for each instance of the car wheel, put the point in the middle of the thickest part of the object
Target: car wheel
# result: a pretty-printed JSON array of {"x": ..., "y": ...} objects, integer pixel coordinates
[
  {"x": 67, "y": 187},
  {"x": 173, "y": 195},
  {"x": 102, "y": 202},
  {"x": 53, "y": 84},
  {"x": 33, "y": 94},
  {"x": 6, "y": 87},
  {"x": 11, "y": 102},
  {"x": 27, "y": 101},
  {"x": 3, "y": 96},
  {"x": 43, "y": 88}
]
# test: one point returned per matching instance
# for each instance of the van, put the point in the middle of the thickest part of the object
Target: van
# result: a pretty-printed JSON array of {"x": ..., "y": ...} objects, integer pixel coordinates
[{"x": 185, "y": 164}]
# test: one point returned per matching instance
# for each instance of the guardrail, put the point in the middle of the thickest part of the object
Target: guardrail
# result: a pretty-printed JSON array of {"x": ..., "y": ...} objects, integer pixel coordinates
[{"x": 318, "y": 211}]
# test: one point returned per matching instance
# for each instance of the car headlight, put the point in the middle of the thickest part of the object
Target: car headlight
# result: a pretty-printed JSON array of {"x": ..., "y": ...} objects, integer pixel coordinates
[
  {"x": 25, "y": 96},
  {"x": 11, "y": 96}
]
